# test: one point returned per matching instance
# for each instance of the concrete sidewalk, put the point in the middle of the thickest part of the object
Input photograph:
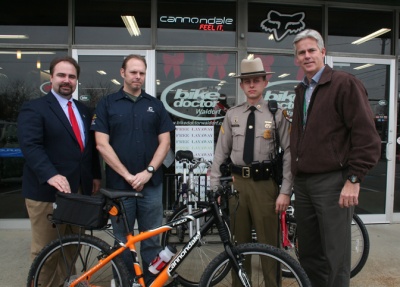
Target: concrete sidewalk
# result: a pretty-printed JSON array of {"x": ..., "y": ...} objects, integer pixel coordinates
[{"x": 381, "y": 270}]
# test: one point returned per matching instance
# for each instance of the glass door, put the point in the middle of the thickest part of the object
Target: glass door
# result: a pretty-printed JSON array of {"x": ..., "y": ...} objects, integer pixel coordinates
[
  {"x": 100, "y": 73},
  {"x": 378, "y": 76}
]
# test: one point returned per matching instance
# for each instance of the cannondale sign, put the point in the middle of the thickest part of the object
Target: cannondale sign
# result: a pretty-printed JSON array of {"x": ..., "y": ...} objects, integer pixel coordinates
[{"x": 185, "y": 99}]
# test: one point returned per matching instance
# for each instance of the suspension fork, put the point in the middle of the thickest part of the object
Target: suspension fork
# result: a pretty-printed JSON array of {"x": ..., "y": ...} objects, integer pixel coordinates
[{"x": 235, "y": 257}]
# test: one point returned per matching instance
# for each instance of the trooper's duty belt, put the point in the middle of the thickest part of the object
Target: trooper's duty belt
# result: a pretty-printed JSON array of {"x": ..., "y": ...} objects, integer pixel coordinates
[{"x": 256, "y": 171}]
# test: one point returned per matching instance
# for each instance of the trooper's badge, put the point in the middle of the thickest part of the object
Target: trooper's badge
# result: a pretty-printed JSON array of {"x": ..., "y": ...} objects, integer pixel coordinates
[{"x": 267, "y": 134}]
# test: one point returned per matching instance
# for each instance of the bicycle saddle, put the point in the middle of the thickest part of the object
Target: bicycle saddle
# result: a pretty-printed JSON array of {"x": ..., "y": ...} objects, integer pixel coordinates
[
  {"x": 115, "y": 193},
  {"x": 184, "y": 154}
]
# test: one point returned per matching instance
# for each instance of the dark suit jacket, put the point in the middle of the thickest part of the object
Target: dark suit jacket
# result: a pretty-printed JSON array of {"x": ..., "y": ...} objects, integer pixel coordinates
[{"x": 50, "y": 147}]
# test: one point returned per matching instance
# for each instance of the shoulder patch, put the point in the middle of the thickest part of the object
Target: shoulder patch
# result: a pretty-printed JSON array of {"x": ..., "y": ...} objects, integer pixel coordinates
[
  {"x": 94, "y": 119},
  {"x": 286, "y": 115}
]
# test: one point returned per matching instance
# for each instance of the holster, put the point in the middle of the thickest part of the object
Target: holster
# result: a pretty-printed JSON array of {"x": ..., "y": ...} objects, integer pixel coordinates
[{"x": 261, "y": 171}]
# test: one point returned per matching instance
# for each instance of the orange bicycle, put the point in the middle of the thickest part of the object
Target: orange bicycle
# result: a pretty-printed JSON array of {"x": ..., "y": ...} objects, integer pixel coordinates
[{"x": 96, "y": 263}]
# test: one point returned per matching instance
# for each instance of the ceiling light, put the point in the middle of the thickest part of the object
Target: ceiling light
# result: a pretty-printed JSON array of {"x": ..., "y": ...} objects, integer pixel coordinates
[
  {"x": 101, "y": 72},
  {"x": 363, "y": 66},
  {"x": 28, "y": 52},
  {"x": 19, "y": 54},
  {"x": 371, "y": 36},
  {"x": 283, "y": 75},
  {"x": 337, "y": 64},
  {"x": 250, "y": 57},
  {"x": 158, "y": 82},
  {"x": 271, "y": 37},
  {"x": 115, "y": 82},
  {"x": 38, "y": 64},
  {"x": 131, "y": 25},
  {"x": 232, "y": 74},
  {"x": 14, "y": 37}
]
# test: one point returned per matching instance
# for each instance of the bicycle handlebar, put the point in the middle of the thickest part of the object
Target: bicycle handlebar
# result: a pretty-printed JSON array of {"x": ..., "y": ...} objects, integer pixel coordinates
[
  {"x": 187, "y": 156},
  {"x": 224, "y": 188}
]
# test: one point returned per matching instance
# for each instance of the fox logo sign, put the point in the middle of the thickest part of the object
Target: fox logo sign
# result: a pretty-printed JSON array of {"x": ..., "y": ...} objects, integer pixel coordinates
[{"x": 282, "y": 24}]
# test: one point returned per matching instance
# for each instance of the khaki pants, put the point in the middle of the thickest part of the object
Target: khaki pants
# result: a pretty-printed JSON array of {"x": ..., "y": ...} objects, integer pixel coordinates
[
  {"x": 256, "y": 209},
  {"x": 43, "y": 232}
]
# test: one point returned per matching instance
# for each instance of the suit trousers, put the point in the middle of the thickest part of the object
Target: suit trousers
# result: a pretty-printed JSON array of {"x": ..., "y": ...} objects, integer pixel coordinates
[
  {"x": 324, "y": 228},
  {"x": 43, "y": 232},
  {"x": 256, "y": 209}
]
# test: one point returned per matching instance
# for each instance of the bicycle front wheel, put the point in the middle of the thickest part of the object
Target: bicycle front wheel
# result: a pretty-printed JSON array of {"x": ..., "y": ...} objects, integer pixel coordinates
[
  {"x": 58, "y": 264},
  {"x": 190, "y": 270},
  {"x": 255, "y": 257}
]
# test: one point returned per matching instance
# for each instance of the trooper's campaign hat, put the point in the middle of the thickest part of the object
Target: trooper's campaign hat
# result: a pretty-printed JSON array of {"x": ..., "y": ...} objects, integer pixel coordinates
[{"x": 252, "y": 68}]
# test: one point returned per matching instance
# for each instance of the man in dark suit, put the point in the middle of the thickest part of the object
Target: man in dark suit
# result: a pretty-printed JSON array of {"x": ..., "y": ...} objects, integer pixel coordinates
[{"x": 57, "y": 157}]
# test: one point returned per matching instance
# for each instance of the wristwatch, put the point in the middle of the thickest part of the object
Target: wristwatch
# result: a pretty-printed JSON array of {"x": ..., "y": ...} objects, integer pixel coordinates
[
  {"x": 151, "y": 169},
  {"x": 353, "y": 179}
]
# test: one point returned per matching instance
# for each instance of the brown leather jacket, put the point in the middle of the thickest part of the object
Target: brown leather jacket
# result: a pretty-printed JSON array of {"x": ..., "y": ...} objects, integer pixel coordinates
[{"x": 340, "y": 132}]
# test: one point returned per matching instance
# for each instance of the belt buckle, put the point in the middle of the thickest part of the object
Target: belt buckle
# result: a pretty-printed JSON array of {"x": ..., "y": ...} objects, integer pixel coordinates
[{"x": 246, "y": 172}]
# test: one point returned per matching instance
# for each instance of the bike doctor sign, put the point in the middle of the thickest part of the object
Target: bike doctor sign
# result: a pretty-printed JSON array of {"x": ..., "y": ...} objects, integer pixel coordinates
[
  {"x": 195, "y": 105},
  {"x": 194, "y": 101}
]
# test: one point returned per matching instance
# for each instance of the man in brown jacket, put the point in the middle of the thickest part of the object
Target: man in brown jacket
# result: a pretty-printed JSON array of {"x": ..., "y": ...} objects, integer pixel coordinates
[{"x": 333, "y": 145}]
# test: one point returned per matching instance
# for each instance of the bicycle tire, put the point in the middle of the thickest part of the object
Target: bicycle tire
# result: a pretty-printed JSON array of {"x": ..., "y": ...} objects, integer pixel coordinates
[
  {"x": 359, "y": 246},
  {"x": 256, "y": 251},
  {"x": 190, "y": 270},
  {"x": 90, "y": 251}
]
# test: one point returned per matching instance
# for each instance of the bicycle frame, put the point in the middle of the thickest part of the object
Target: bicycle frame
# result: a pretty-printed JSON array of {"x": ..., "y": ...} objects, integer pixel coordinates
[{"x": 215, "y": 213}]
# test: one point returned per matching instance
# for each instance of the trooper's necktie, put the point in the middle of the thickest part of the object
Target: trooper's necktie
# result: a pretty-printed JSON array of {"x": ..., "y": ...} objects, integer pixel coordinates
[
  {"x": 75, "y": 126},
  {"x": 248, "y": 150}
]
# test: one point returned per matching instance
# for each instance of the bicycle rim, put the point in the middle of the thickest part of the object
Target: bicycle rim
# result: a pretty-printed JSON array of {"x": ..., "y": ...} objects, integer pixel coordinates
[
  {"x": 359, "y": 245},
  {"x": 191, "y": 269},
  {"x": 258, "y": 258},
  {"x": 85, "y": 252}
]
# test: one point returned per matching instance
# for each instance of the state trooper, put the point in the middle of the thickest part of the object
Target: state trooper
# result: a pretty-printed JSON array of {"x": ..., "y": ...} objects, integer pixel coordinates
[{"x": 260, "y": 199}]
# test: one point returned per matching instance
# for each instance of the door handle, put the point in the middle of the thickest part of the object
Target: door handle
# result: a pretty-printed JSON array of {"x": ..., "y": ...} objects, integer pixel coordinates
[{"x": 388, "y": 153}]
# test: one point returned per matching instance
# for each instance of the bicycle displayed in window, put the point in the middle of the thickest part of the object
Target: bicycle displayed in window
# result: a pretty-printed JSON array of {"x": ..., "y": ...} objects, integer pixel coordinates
[{"x": 96, "y": 263}]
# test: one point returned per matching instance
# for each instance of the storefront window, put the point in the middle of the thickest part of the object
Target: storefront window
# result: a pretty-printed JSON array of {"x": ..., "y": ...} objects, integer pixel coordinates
[
  {"x": 20, "y": 80},
  {"x": 345, "y": 26},
  {"x": 100, "y": 22},
  {"x": 34, "y": 22},
  {"x": 275, "y": 26},
  {"x": 197, "y": 23}
]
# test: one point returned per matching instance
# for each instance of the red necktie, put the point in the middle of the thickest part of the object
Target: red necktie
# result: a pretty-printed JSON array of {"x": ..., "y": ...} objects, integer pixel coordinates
[{"x": 74, "y": 124}]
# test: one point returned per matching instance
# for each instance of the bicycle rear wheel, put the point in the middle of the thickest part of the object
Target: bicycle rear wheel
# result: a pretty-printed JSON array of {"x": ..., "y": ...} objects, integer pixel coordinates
[
  {"x": 359, "y": 245},
  {"x": 255, "y": 255},
  {"x": 190, "y": 270},
  {"x": 86, "y": 251}
]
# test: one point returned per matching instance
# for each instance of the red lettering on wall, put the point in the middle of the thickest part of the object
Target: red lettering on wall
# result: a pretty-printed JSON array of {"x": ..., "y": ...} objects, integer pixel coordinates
[{"x": 211, "y": 27}]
